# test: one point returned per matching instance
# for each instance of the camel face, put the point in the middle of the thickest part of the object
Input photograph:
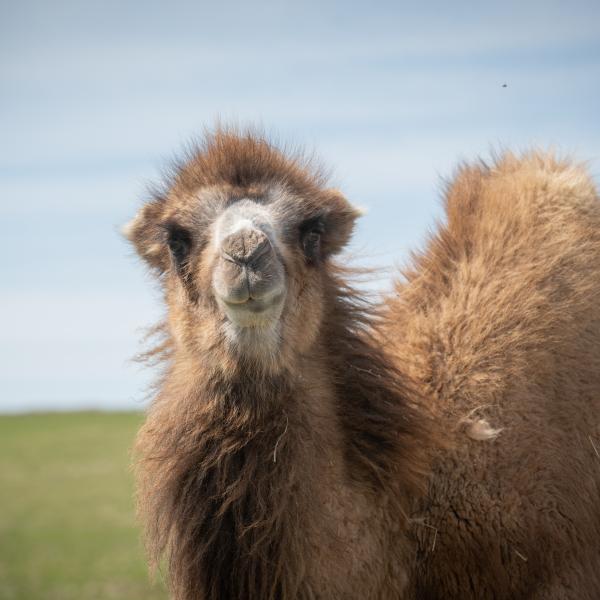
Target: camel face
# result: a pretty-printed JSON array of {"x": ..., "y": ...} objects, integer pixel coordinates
[
  {"x": 262, "y": 269},
  {"x": 242, "y": 238}
]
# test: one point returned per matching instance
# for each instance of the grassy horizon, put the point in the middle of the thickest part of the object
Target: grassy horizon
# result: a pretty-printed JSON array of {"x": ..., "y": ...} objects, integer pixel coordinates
[{"x": 67, "y": 524}]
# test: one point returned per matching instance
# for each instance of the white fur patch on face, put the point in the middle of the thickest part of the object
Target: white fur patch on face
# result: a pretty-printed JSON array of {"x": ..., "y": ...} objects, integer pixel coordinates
[
  {"x": 252, "y": 325},
  {"x": 245, "y": 214}
]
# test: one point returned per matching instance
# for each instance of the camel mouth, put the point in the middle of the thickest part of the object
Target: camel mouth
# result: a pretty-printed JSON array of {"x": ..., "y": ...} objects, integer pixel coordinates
[
  {"x": 253, "y": 312},
  {"x": 251, "y": 304}
]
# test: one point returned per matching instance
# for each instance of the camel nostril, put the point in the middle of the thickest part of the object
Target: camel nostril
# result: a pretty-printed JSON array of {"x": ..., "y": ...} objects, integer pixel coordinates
[{"x": 245, "y": 245}]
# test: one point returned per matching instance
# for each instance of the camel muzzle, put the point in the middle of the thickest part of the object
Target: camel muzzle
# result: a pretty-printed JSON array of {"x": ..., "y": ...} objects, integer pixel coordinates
[{"x": 249, "y": 278}]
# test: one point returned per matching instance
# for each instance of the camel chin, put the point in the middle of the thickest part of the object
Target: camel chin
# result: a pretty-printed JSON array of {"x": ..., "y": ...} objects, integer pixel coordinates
[{"x": 260, "y": 315}]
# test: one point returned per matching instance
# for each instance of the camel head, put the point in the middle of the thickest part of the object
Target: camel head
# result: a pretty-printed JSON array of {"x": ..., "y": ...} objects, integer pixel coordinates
[{"x": 242, "y": 238}]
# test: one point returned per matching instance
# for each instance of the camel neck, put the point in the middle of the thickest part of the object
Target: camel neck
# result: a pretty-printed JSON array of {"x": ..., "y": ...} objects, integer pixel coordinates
[
  {"x": 257, "y": 480},
  {"x": 236, "y": 465}
]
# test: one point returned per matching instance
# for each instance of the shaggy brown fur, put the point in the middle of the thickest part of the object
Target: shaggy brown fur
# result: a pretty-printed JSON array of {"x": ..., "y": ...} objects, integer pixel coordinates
[
  {"x": 499, "y": 319},
  {"x": 292, "y": 474},
  {"x": 285, "y": 478}
]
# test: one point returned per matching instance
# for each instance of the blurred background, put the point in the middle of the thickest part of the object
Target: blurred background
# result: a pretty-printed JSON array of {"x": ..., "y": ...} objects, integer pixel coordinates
[{"x": 97, "y": 97}]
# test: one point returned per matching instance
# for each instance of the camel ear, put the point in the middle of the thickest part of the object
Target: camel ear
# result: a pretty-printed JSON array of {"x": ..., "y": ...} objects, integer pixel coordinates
[
  {"x": 340, "y": 219},
  {"x": 147, "y": 236}
]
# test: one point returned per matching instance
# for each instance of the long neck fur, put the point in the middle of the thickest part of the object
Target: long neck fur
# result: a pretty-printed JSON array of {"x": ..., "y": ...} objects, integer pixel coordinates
[{"x": 229, "y": 462}]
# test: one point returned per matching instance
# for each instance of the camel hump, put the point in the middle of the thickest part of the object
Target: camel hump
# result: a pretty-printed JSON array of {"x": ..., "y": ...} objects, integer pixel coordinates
[
  {"x": 518, "y": 195},
  {"x": 511, "y": 278}
]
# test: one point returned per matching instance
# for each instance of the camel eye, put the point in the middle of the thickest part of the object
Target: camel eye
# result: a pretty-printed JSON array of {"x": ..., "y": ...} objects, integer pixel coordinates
[
  {"x": 179, "y": 242},
  {"x": 311, "y": 232},
  {"x": 313, "y": 237}
]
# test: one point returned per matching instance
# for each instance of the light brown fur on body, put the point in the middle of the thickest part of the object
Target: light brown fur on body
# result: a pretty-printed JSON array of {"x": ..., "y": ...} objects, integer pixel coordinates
[
  {"x": 304, "y": 445},
  {"x": 499, "y": 319}
]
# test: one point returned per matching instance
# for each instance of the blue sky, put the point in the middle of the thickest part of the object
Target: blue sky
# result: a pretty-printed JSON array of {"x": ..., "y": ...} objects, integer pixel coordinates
[{"x": 95, "y": 97}]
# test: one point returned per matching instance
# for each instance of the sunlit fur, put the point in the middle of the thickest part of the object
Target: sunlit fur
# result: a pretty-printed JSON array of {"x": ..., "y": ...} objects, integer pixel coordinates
[
  {"x": 435, "y": 448},
  {"x": 499, "y": 321}
]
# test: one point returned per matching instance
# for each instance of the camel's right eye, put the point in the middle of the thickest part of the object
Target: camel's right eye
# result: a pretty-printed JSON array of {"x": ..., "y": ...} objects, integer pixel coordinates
[
  {"x": 179, "y": 241},
  {"x": 310, "y": 237}
]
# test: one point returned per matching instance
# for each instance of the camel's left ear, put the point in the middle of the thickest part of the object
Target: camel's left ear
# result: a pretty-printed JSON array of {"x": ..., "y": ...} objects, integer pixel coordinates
[
  {"x": 145, "y": 233},
  {"x": 339, "y": 222}
]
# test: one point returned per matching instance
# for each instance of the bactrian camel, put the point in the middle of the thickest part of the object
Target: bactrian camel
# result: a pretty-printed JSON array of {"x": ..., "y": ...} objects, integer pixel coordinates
[{"x": 304, "y": 443}]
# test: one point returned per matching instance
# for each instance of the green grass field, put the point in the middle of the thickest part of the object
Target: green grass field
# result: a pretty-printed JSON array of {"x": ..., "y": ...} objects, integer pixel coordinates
[{"x": 67, "y": 527}]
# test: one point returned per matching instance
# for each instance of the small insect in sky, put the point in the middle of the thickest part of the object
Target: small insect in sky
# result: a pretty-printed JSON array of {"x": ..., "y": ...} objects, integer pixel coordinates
[{"x": 505, "y": 85}]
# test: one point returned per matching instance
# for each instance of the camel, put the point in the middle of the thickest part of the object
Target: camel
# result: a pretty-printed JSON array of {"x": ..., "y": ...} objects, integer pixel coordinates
[{"x": 306, "y": 442}]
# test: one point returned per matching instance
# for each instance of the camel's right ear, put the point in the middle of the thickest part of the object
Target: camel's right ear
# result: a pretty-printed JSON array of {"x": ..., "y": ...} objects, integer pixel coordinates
[
  {"x": 341, "y": 217},
  {"x": 147, "y": 235}
]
